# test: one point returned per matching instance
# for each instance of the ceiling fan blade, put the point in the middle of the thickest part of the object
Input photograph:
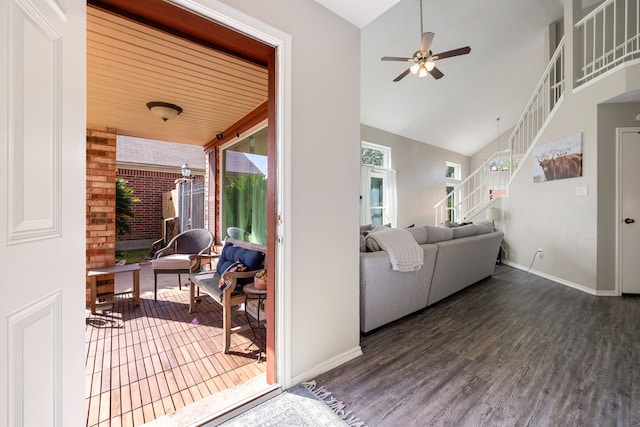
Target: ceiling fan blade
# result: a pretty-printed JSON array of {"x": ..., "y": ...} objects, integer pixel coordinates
[
  {"x": 437, "y": 74},
  {"x": 403, "y": 75},
  {"x": 396, "y": 58},
  {"x": 450, "y": 53},
  {"x": 427, "y": 40}
]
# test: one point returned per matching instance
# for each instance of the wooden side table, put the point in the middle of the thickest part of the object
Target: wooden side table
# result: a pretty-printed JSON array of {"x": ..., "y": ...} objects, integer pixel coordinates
[
  {"x": 259, "y": 296},
  {"x": 94, "y": 273}
]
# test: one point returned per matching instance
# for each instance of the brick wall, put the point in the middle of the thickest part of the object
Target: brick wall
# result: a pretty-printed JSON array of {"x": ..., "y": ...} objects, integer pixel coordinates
[
  {"x": 148, "y": 186},
  {"x": 101, "y": 204}
]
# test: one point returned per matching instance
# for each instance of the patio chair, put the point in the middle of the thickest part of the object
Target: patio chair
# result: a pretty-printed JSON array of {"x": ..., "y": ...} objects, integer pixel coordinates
[
  {"x": 237, "y": 233},
  {"x": 252, "y": 257},
  {"x": 175, "y": 257}
]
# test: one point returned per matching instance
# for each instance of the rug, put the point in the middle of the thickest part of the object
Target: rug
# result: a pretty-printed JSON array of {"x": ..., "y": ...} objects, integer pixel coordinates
[{"x": 303, "y": 406}]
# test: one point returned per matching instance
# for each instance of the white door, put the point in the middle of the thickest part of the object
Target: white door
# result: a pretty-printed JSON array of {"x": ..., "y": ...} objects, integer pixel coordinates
[
  {"x": 629, "y": 155},
  {"x": 42, "y": 212}
]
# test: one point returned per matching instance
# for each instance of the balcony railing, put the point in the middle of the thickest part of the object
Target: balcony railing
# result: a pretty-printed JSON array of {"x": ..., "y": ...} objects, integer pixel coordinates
[{"x": 610, "y": 35}]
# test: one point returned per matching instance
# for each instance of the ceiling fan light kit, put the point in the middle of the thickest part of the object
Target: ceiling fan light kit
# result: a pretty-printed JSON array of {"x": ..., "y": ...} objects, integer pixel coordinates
[{"x": 424, "y": 61}]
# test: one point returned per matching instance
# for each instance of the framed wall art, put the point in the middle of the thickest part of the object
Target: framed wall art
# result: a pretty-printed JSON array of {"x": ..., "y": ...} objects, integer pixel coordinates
[{"x": 558, "y": 159}]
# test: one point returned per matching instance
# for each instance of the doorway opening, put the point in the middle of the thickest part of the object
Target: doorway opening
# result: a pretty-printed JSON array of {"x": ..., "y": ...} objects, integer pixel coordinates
[{"x": 183, "y": 368}]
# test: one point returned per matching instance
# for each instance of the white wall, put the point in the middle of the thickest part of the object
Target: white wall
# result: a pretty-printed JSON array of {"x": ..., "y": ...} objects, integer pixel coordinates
[
  {"x": 421, "y": 171},
  {"x": 501, "y": 143},
  {"x": 575, "y": 233},
  {"x": 321, "y": 245}
]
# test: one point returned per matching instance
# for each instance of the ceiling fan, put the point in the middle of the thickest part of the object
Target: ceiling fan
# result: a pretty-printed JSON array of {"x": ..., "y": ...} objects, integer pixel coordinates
[{"x": 424, "y": 61}]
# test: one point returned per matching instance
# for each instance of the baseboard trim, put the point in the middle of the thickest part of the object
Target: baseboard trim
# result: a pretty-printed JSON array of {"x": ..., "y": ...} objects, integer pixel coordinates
[
  {"x": 607, "y": 293},
  {"x": 573, "y": 285},
  {"x": 327, "y": 365}
]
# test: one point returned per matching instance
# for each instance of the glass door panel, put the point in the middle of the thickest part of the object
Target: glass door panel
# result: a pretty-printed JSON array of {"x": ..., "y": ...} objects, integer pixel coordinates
[{"x": 244, "y": 189}]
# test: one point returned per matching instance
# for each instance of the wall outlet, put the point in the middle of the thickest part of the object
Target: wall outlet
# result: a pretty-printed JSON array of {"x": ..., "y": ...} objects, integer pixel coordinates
[{"x": 540, "y": 252}]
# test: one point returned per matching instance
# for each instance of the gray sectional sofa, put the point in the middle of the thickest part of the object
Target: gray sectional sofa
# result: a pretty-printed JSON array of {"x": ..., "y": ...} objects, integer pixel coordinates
[{"x": 454, "y": 258}]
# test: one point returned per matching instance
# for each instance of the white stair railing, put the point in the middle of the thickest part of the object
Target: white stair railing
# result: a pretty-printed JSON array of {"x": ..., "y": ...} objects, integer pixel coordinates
[
  {"x": 610, "y": 35},
  {"x": 548, "y": 94},
  {"x": 491, "y": 180},
  {"x": 468, "y": 197}
]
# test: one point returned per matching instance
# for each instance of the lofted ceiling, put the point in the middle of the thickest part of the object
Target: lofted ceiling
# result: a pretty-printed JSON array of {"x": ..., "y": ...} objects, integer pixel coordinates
[
  {"x": 129, "y": 64},
  {"x": 458, "y": 112},
  {"x": 358, "y": 12}
]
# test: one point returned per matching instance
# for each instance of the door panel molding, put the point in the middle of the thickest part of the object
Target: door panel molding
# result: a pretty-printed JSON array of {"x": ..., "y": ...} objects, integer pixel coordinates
[
  {"x": 35, "y": 329},
  {"x": 34, "y": 139}
]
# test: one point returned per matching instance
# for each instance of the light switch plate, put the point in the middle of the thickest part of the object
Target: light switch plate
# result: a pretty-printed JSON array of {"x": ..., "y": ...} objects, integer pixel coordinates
[{"x": 582, "y": 191}]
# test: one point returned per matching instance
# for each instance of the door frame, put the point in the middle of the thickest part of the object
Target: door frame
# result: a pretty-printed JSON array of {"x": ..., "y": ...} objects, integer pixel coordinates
[
  {"x": 618, "y": 208},
  {"x": 268, "y": 46}
]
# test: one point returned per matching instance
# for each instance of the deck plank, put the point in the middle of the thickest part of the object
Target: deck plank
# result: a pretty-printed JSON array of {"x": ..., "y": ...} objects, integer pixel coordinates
[{"x": 147, "y": 361}]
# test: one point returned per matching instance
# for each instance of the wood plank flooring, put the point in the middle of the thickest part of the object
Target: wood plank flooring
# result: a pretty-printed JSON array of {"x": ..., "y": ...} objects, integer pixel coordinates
[
  {"x": 151, "y": 360},
  {"x": 512, "y": 350}
]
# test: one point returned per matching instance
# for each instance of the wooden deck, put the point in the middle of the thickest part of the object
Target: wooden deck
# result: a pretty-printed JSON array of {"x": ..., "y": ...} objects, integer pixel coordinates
[{"x": 147, "y": 361}]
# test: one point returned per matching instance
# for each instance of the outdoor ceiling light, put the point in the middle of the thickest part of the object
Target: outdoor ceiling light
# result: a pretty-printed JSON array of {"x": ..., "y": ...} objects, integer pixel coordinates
[
  {"x": 164, "y": 110},
  {"x": 186, "y": 170}
]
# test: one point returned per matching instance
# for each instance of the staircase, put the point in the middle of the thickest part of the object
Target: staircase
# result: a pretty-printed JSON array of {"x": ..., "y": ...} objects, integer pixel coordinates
[
  {"x": 607, "y": 37},
  {"x": 491, "y": 180}
]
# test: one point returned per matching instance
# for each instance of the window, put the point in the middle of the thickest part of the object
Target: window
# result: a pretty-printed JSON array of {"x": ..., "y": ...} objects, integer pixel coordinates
[
  {"x": 454, "y": 171},
  {"x": 244, "y": 188},
  {"x": 451, "y": 204},
  {"x": 378, "y": 185},
  {"x": 453, "y": 175}
]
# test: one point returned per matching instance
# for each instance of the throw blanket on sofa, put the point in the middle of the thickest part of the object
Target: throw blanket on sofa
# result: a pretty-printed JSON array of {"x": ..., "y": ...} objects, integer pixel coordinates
[{"x": 405, "y": 254}]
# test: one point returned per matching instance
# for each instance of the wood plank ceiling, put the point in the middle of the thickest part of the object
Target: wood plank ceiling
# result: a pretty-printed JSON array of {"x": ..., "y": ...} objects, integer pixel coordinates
[{"x": 130, "y": 64}]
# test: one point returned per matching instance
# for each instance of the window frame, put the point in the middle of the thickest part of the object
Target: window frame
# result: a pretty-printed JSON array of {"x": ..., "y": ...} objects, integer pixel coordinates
[
  {"x": 384, "y": 149},
  {"x": 381, "y": 172},
  {"x": 452, "y": 213},
  {"x": 221, "y": 175},
  {"x": 457, "y": 168}
]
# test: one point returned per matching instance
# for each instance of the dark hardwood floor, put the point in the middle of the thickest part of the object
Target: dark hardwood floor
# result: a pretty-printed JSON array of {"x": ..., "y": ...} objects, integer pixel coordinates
[{"x": 512, "y": 350}]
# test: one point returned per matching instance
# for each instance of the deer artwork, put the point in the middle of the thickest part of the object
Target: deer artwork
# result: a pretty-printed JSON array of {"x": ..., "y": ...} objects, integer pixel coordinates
[{"x": 561, "y": 166}]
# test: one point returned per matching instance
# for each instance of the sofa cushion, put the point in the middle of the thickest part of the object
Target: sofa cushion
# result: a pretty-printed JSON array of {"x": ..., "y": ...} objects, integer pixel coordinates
[
  {"x": 484, "y": 227},
  {"x": 418, "y": 233},
  {"x": 450, "y": 224},
  {"x": 363, "y": 244},
  {"x": 172, "y": 262},
  {"x": 438, "y": 234},
  {"x": 464, "y": 231},
  {"x": 231, "y": 253},
  {"x": 372, "y": 245}
]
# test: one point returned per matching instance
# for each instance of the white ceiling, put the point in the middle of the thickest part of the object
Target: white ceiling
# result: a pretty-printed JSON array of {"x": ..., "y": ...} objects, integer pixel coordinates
[
  {"x": 459, "y": 111},
  {"x": 358, "y": 12}
]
